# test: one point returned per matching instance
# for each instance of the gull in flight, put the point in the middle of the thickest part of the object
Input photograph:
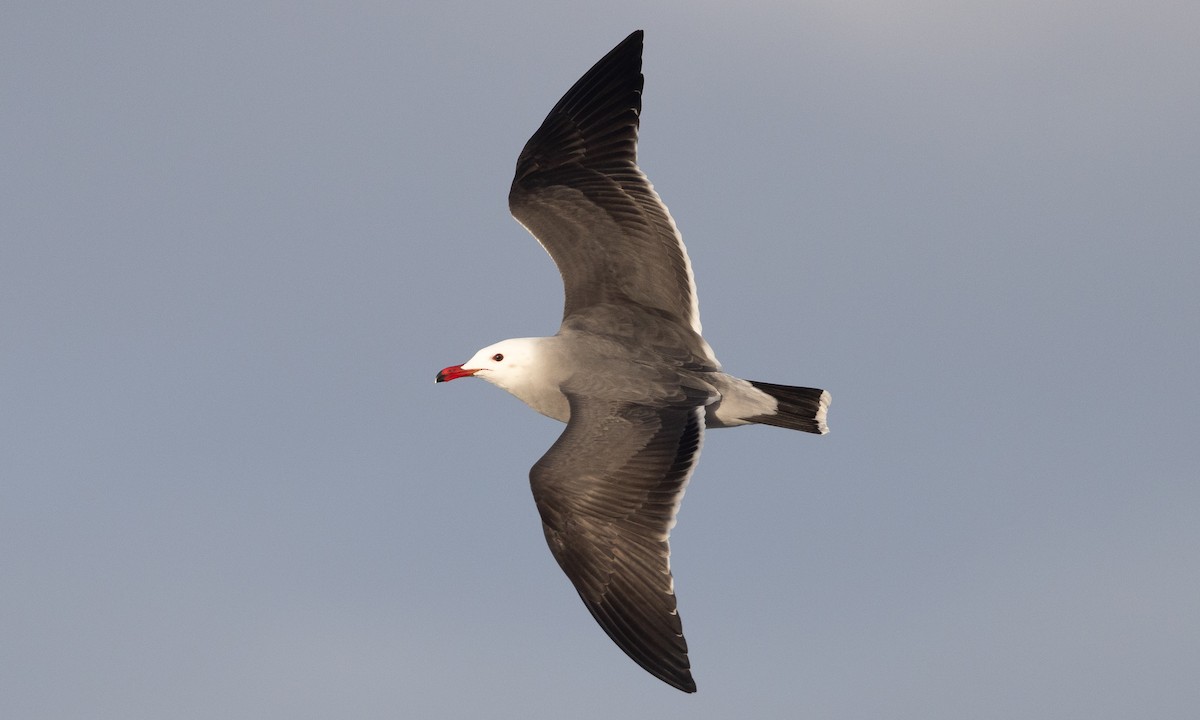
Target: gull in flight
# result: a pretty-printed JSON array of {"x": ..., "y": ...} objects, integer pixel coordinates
[{"x": 627, "y": 371}]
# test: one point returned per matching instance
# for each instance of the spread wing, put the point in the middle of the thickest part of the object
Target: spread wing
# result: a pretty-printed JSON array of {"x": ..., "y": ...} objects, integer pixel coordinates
[
  {"x": 579, "y": 191},
  {"x": 608, "y": 492}
]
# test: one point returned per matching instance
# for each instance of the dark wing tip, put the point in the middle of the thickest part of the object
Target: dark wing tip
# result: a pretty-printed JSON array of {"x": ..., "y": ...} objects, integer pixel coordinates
[
  {"x": 660, "y": 651},
  {"x": 679, "y": 679},
  {"x": 595, "y": 123}
]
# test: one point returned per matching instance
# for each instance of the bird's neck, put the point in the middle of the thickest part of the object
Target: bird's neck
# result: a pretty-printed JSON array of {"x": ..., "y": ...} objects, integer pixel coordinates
[{"x": 540, "y": 386}]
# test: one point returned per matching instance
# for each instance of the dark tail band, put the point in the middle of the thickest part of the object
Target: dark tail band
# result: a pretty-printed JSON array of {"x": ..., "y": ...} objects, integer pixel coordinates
[{"x": 800, "y": 408}]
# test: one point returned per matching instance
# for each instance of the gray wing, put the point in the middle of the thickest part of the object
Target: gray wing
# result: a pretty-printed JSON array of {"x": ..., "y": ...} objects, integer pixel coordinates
[
  {"x": 579, "y": 191},
  {"x": 608, "y": 492}
]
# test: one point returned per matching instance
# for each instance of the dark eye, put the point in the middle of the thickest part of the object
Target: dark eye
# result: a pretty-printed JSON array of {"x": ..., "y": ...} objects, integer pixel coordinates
[{"x": 498, "y": 357}]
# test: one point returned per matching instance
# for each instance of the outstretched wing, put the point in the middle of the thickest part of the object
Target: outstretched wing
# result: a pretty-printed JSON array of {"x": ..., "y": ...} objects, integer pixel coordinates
[
  {"x": 579, "y": 191},
  {"x": 608, "y": 492}
]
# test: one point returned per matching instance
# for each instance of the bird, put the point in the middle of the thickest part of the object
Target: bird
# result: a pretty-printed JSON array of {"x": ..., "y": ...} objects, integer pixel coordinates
[{"x": 628, "y": 370}]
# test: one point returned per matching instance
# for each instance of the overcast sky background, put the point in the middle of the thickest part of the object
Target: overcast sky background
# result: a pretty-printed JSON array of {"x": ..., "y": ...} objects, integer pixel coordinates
[{"x": 238, "y": 239}]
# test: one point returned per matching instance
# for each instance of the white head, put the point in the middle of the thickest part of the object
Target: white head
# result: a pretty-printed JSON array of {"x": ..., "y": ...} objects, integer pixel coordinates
[
  {"x": 525, "y": 367},
  {"x": 507, "y": 364}
]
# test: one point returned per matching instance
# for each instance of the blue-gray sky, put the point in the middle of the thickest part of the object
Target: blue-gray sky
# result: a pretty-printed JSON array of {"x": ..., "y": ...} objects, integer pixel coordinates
[{"x": 237, "y": 240}]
